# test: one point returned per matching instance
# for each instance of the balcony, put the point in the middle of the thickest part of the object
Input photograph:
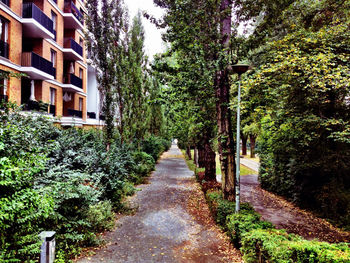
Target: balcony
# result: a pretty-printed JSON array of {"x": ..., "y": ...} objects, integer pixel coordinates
[
  {"x": 72, "y": 50},
  {"x": 72, "y": 83},
  {"x": 73, "y": 18},
  {"x": 4, "y": 49},
  {"x": 75, "y": 113},
  {"x": 36, "y": 67},
  {"x": 38, "y": 106},
  {"x": 35, "y": 23},
  {"x": 6, "y": 2},
  {"x": 91, "y": 115}
]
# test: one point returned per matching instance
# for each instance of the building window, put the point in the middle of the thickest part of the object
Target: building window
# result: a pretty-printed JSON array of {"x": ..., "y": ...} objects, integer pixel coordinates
[
  {"x": 54, "y": 58},
  {"x": 4, "y": 46},
  {"x": 80, "y": 104},
  {"x": 81, "y": 73},
  {"x": 81, "y": 42},
  {"x": 52, "y": 96},
  {"x": 54, "y": 20}
]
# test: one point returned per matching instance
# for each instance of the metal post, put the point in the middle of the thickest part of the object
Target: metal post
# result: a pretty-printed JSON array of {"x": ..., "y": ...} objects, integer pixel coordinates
[
  {"x": 238, "y": 148},
  {"x": 48, "y": 247}
]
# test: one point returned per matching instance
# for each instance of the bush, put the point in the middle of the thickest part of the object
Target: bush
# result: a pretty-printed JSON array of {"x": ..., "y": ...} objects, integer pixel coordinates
[
  {"x": 101, "y": 216},
  {"x": 144, "y": 163},
  {"x": 61, "y": 180},
  {"x": 243, "y": 222},
  {"x": 155, "y": 146},
  {"x": 220, "y": 208},
  {"x": 260, "y": 242},
  {"x": 23, "y": 209},
  {"x": 276, "y": 246}
]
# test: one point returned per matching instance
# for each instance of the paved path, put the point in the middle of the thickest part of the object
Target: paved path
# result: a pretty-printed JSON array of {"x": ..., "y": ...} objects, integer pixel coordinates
[
  {"x": 172, "y": 223},
  {"x": 286, "y": 215},
  {"x": 250, "y": 164}
]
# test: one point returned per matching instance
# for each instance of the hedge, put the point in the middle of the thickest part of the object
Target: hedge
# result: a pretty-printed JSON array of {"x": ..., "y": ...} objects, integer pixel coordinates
[{"x": 261, "y": 242}]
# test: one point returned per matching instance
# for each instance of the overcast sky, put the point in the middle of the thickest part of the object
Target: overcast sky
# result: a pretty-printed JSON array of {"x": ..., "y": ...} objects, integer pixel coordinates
[{"x": 153, "y": 42}]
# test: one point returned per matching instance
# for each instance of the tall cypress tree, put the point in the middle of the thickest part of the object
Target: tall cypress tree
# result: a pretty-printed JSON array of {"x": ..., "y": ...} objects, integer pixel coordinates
[{"x": 106, "y": 26}]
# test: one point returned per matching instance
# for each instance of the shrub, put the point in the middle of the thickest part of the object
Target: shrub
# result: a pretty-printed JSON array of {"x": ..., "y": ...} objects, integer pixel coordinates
[
  {"x": 245, "y": 221},
  {"x": 221, "y": 208},
  {"x": 154, "y": 146},
  {"x": 22, "y": 208},
  {"x": 276, "y": 246},
  {"x": 61, "y": 180},
  {"x": 101, "y": 216},
  {"x": 144, "y": 163},
  {"x": 260, "y": 242}
]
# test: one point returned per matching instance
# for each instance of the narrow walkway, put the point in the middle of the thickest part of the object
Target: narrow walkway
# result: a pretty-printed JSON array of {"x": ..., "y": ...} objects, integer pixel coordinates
[
  {"x": 250, "y": 164},
  {"x": 172, "y": 223},
  {"x": 286, "y": 215}
]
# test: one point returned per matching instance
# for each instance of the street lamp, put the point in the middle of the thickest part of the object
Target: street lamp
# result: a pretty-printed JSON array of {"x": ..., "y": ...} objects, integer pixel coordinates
[{"x": 239, "y": 69}]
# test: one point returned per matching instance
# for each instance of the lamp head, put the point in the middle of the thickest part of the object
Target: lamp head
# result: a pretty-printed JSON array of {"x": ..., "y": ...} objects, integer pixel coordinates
[{"x": 240, "y": 68}]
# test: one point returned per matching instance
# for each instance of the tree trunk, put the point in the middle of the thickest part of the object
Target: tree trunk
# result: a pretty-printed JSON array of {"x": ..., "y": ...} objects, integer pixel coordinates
[
  {"x": 201, "y": 159},
  {"x": 195, "y": 157},
  {"x": 244, "y": 144},
  {"x": 188, "y": 152},
  {"x": 210, "y": 163},
  {"x": 252, "y": 146},
  {"x": 226, "y": 144}
]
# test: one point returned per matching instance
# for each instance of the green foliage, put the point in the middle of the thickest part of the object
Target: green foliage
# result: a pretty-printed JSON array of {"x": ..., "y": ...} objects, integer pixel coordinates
[
  {"x": 221, "y": 208},
  {"x": 155, "y": 146},
  {"x": 101, "y": 216},
  {"x": 298, "y": 94},
  {"x": 277, "y": 246},
  {"x": 22, "y": 208},
  {"x": 243, "y": 222},
  {"x": 61, "y": 180},
  {"x": 261, "y": 242},
  {"x": 144, "y": 163}
]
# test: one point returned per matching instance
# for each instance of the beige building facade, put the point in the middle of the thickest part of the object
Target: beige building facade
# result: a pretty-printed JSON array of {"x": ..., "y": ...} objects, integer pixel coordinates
[{"x": 44, "y": 40}]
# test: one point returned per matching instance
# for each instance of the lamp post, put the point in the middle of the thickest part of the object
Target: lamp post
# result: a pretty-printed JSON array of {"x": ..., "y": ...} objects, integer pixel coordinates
[{"x": 239, "y": 69}]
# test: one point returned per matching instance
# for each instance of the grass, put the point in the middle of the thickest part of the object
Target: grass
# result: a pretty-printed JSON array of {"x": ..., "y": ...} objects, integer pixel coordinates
[
  {"x": 244, "y": 169},
  {"x": 247, "y": 156}
]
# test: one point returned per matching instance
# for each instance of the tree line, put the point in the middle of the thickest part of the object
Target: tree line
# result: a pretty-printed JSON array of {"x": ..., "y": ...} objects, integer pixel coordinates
[{"x": 295, "y": 96}]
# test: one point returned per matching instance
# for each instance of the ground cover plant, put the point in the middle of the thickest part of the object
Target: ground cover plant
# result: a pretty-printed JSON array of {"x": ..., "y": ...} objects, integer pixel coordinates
[{"x": 62, "y": 180}]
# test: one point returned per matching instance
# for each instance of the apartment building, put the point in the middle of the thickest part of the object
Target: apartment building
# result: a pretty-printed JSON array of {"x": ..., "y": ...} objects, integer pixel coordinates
[{"x": 44, "y": 39}]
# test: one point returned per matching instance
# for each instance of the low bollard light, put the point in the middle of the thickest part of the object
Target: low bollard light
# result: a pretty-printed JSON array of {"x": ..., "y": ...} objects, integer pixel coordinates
[{"x": 47, "y": 254}]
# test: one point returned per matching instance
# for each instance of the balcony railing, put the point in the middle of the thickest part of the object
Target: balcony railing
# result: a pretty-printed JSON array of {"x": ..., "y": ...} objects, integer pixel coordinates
[
  {"x": 30, "y": 59},
  {"x": 70, "y": 43},
  {"x": 69, "y": 7},
  {"x": 4, "y": 49},
  {"x": 30, "y": 10},
  {"x": 74, "y": 80},
  {"x": 32, "y": 106},
  {"x": 75, "y": 113},
  {"x": 6, "y": 2},
  {"x": 91, "y": 115}
]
